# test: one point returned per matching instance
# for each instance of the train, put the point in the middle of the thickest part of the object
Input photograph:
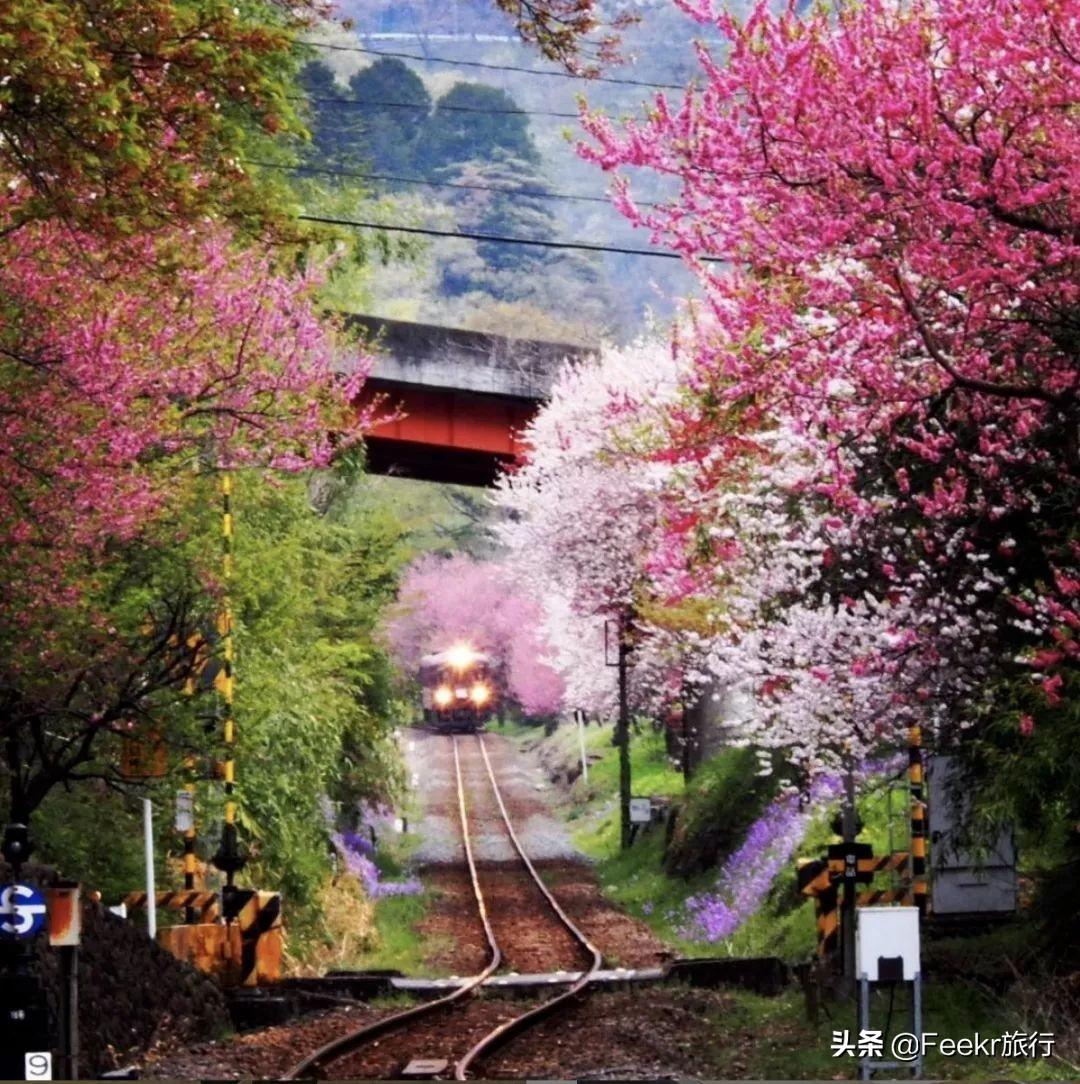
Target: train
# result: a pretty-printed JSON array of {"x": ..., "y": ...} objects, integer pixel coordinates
[{"x": 459, "y": 690}]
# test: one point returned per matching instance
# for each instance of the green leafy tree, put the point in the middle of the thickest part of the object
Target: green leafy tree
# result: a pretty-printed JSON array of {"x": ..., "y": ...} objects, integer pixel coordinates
[
  {"x": 1021, "y": 771},
  {"x": 473, "y": 121},
  {"x": 315, "y": 700},
  {"x": 392, "y": 108},
  {"x": 116, "y": 116},
  {"x": 376, "y": 123},
  {"x": 334, "y": 138},
  {"x": 503, "y": 197}
]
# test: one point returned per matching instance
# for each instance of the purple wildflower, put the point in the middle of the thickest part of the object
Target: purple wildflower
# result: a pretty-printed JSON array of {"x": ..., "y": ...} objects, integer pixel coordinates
[
  {"x": 749, "y": 872},
  {"x": 355, "y": 851},
  {"x": 358, "y": 844}
]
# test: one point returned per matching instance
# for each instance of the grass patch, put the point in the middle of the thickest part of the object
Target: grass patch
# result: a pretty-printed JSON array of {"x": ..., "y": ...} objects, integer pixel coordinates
[
  {"x": 515, "y": 729},
  {"x": 634, "y": 879},
  {"x": 771, "y": 1038},
  {"x": 652, "y": 772},
  {"x": 396, "y": 943}
]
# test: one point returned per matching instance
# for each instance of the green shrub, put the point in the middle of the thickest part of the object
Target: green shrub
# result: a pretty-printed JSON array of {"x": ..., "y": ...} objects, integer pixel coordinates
[{"x": 721, "y": 802}]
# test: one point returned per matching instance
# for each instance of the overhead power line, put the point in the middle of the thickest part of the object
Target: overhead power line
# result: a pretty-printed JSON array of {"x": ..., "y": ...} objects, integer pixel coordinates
[
  {"x": 492, "y": 67},
  {"x": 424, "y": 231},
  {"x": 439, "y": 107},
  {"x": 535, "y": 193}
]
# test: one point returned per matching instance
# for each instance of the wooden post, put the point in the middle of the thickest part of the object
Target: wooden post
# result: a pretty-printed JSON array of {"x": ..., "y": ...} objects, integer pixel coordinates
[{"x": 69, "y": 1011}]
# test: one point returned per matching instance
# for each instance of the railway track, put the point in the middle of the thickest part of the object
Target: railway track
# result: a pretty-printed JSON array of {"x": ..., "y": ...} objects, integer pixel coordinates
[{"x": 317, "y": 1063}]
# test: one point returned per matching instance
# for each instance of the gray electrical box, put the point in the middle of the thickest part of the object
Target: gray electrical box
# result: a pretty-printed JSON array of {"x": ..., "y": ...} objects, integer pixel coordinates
[
  {"x": 887, "y": 933},
  {"x": 963, "y": 882}
]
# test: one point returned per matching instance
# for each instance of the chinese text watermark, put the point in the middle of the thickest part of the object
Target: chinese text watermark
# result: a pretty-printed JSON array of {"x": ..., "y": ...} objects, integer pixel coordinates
[{"x": 907, "y": 1046}]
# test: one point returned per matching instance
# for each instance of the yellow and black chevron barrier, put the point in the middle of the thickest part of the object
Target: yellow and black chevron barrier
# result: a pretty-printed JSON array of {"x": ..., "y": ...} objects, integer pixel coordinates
[
  {"x": 897, "y": 862},
  {"x": 240, "y": 944},
  {"x": 254, "y": 921},
  {"x": 205, "y": 903},
  {"x": 820, "y": 879},
  {"x": 814, "y": 880}
]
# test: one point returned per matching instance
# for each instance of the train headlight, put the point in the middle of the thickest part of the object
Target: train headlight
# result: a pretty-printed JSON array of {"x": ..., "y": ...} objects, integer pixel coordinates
[
  {"x": 480, "y": 694},
  {"x": 460, "y": 656},
  {"x": 443, "y": 696}
]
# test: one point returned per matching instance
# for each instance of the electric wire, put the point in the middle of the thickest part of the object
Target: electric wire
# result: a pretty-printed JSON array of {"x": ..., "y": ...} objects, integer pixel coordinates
[
  {"x": 433, "y": 107},
  {"x": 534, "y": 193},
  {"x": 582, "y": 246},
  {"x": 491, "y": 67}
]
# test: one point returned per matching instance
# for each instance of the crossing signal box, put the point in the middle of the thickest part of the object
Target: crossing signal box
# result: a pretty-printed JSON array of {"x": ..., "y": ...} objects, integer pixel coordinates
[{"x": 143, "y": 756}]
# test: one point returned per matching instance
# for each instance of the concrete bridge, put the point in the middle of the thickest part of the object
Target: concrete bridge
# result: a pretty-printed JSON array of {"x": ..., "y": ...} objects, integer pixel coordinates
[{"x": 464, "y": 398}]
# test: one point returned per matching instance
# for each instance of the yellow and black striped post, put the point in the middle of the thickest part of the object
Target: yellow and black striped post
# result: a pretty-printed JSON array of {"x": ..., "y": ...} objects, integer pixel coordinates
[
  {"x": 814, "y": 880},
  {"x": 228, "y": 859},
  {"x": 197, "y": 642},
  {"x": 918, "y": 818},
  {"x": 204, "y": 903}
]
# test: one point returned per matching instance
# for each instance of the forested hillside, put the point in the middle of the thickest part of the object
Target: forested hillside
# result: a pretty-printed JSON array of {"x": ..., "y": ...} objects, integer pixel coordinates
[{"x": 442, "y": 138}]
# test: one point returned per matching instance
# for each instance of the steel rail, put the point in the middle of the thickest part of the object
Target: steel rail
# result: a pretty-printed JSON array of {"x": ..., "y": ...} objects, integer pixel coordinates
[
  {"x": 506, "y": 1031},
  {"x": 346, "y": 1044}
]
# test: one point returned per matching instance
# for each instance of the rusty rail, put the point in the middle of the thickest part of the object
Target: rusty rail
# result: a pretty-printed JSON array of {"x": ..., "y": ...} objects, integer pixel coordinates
[
  {"x": 504, "y": 1032},
  {"x": 315, "y": 1064},
  {"x": 338, "y": 1048}
]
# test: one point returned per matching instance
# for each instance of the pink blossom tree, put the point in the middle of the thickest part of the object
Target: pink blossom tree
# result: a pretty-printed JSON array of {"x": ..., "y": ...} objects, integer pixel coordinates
[
  {"x": 448, "y": 600},
  {"x": 881, "y": 203},
  {"x": 134, "y": 378},
  {"x": 118, "y": 379},
  {"x": 585, "y": 517}
]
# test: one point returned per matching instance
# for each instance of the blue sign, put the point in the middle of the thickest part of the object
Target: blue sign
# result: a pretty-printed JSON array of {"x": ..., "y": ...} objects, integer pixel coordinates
[{"x": 22, "y": 911}]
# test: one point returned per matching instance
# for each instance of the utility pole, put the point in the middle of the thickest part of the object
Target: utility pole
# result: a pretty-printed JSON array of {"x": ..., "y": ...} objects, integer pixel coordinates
[
  {"x": 849, "y": 828},
  {"x": 622, "y": 736}
]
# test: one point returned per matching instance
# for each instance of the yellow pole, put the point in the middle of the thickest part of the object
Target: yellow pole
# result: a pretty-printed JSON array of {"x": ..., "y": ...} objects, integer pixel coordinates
[
  {"x": 918, "y": 818},
  {"x": 228, "y": 858}
]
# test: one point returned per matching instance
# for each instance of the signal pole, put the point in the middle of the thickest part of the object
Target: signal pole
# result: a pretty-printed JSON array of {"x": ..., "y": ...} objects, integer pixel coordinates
[
  {"x": 849, "y": 829},
  {"x": 229, "y": 858}
]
